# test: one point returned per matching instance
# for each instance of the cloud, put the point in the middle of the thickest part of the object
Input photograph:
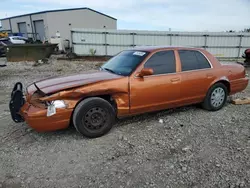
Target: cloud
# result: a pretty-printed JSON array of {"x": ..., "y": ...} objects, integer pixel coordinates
[{"x": 192, "y": 15}]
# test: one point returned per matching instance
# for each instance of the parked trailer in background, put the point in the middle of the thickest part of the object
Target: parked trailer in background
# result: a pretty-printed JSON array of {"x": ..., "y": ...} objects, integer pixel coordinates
[
  {"x": 110, "y": 42},
  {"x": 29, "y": 52}
]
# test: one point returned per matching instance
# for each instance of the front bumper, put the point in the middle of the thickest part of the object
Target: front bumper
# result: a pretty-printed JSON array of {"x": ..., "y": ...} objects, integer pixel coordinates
[
  {"x": 16, "y": 102},
  {"x": 36, "y": 117}
]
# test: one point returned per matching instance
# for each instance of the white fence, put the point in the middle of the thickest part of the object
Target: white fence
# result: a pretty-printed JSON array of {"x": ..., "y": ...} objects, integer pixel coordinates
[{"x": 110, "y": 42}]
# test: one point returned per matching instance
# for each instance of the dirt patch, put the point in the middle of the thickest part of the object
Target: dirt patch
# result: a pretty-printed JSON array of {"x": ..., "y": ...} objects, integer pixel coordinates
[{"x": 184, "y": 147}]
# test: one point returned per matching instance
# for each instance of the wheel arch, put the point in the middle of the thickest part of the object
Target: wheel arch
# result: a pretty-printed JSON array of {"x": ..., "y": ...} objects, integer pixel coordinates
[
  {"x": 207, "y": 104},
  {"x": 107, "y": 97},
  {"x": 223, "y": 80}
]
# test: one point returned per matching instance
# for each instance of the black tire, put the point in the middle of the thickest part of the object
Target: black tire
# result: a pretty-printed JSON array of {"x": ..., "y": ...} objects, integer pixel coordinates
[
  {"x": 207, "y": 103},
  {"x": 94, "y": 117}
]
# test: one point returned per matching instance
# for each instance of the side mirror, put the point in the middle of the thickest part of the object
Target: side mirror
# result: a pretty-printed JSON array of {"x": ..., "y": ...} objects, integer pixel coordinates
[{"x": 145, "y": 72}]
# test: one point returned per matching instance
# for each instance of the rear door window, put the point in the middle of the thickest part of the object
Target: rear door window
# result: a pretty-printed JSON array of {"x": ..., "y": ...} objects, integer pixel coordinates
[
  {"x": 162, "y": 62},
  {"x": 193, "y": 60}
]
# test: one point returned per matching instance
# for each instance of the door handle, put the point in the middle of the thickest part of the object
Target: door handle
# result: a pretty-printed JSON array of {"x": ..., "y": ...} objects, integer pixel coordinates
[{"x": 175, "y": 80}]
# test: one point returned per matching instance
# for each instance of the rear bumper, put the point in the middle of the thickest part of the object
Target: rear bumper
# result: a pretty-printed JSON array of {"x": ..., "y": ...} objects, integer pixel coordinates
[
  {"x": 239, "y": 85},
  {"x": 37, "y": 118}
]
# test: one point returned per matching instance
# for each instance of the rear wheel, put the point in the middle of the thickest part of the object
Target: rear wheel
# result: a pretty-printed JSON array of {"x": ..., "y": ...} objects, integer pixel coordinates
[
  {"x": 216, "y": 97},
  {"x": 94, "y": 117}
]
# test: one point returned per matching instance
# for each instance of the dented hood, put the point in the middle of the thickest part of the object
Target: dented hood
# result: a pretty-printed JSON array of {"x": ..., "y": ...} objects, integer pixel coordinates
[{"x": 56, "y": 84}]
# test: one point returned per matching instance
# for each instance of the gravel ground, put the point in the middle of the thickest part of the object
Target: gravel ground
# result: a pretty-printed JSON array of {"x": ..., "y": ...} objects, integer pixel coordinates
[{"x": 184, "y": 147}]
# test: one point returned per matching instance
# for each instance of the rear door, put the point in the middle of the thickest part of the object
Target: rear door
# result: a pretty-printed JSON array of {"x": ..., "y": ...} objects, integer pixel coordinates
[{"x": 196, "y": 75}]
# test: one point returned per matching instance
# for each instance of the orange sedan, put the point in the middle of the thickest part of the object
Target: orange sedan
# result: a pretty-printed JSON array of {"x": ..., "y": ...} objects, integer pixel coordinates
[{"x": 133, "y": 82}]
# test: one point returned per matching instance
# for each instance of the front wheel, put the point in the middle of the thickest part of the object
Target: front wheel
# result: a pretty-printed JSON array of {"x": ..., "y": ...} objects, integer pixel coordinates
[
  {"x": 216, "y": 97},
  {"x": 94, "y": 117}
]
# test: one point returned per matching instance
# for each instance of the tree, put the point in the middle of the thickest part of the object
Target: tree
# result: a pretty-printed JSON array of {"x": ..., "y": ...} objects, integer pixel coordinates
[{"x": 247, "y": 30}]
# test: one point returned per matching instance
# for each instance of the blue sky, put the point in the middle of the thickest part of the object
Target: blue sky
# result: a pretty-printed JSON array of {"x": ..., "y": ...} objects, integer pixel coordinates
[{"x": 179, "y": 15}]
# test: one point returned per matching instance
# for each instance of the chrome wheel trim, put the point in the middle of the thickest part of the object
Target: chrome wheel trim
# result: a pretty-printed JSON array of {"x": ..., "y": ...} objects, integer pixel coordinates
[{"x": 217, "y": 97}]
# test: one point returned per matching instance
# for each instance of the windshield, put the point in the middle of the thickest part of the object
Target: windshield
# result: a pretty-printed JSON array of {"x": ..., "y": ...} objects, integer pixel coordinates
[{"x": 125, "y": 62}]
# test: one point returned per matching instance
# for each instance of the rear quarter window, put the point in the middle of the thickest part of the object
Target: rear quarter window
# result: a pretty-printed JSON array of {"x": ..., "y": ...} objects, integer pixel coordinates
[
  {"x": 202, "y": 60},
  {"x": 193, "y": 60}
]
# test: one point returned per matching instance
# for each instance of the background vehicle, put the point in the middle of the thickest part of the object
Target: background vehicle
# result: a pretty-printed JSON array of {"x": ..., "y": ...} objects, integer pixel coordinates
[
  {"x": 18, "y": 40},
  {"x": 133, "y": 82},
  {"x": 246, "y": 56}
]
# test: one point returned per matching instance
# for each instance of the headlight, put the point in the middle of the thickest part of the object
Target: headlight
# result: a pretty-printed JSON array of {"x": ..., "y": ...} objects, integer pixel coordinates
[
  {"x": 59, "y": 104},
  {"x": 53, "y": 105}
]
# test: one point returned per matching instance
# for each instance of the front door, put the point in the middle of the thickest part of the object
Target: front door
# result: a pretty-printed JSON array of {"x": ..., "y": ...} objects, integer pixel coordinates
[{"x": 158, "y": 91}]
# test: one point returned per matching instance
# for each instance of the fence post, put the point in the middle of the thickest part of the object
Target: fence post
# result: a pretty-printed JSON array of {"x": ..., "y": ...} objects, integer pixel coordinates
[
  {"x": 133, "y": 39},
  {"x": 105, "y": 43},
  {"x": 170, "y": 39},
  {"x": 71, "y": 45},
  {"x": 205, "y": 41},
  {"x": 240, "y": 42}
]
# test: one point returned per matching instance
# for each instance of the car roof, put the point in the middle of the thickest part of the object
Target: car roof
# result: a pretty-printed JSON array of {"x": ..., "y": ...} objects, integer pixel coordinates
[{"x": 155, "y": 48}]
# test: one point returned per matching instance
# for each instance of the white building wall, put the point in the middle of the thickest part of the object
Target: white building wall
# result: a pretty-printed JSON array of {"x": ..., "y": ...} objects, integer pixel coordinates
[
  {"x": 64, "y": 21},
  {"x": 29, "y": 20},
  {"x": 15, "y": 21},
  {"x": 5, "y": 24},
  {"x": 44, "y": 17}
]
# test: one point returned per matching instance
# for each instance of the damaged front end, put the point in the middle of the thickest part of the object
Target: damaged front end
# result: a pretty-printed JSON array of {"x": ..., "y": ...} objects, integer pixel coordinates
[
  {"x": 19, "y": 99},
  {"x": 41, "y": 115},
  {"x": 47, "y": 106},
  {"x": 42, "y": 104}
]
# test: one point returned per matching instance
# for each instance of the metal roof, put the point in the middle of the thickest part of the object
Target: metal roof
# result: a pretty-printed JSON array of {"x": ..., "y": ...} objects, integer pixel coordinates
[{"x": 60, "y": 10}]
